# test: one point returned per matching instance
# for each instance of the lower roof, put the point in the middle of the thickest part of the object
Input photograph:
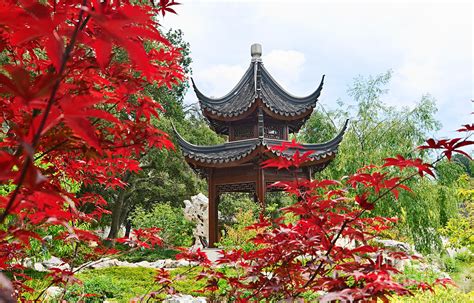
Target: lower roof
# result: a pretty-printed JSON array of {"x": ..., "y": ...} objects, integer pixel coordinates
[{"x": 235, "y": 151}]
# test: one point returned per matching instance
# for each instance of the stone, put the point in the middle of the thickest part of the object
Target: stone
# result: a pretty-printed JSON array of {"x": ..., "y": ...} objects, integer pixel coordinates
[
  {"x": 158, "y": 264},
  {"x": 179, "y": 298},
  {"x": 144, "y": 264},
  {"x": 182, "y": 263},
  {"x": 395, "y": 245},
  {"x": 196, "y": 211},
  {"x": 213, "y": 254},
  {"x": 103, "y": 263},
  {"x": 28, "y": 262},
  {"x": 39, "y": 267},
  {"x": 53, "y": 292},
  {"x": 55, "y": 262}
]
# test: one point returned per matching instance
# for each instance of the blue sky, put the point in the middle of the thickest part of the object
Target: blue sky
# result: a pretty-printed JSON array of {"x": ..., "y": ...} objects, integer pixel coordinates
[{"x": 428, "y": 44}]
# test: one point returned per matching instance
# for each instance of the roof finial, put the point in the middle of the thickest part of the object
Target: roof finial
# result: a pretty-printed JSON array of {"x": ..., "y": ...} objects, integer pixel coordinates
[{"x": 256, "y": 51}]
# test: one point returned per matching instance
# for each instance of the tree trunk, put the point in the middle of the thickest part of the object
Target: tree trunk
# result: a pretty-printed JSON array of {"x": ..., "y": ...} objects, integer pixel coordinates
[
  {"x": 118, "y": 209},
  {"x": 117, "y": 215},
  {"x": 128, "y": 228}
]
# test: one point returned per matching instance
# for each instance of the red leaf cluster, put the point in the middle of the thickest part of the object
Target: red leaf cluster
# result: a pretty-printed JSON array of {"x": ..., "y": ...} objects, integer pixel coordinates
[
  {"x": 449, "y": 146},
  {"x": 74, "y": 111},
  {"x": 329, "y": 247}
]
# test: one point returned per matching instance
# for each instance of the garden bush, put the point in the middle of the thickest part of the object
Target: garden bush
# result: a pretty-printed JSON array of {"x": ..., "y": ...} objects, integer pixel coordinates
[
  {"x": 150, "y": 255},
  {"x": 440, "y": 295},
  {"x": 175, "y": 229},
  {"x": 237, "y": 235}
]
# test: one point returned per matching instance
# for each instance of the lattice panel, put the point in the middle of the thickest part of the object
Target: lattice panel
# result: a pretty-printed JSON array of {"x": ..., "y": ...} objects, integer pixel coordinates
[
  {"x": 244, "y": 132},
  {"x": 274, "y": 131},
  {"x": 246, "y": 187}
]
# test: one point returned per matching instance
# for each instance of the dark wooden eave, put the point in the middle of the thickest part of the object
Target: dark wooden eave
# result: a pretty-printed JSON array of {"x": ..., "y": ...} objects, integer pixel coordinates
[{"x": 235, "y": 153}]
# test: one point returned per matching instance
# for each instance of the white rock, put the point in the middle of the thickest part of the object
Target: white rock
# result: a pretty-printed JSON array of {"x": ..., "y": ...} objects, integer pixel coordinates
[
  {"x": 56, "y": 263},
  {"x": 196, "y": 211},
  {"x": 184, "y": 299},
  {"x": 39, "y": 267},
  {"x": 395, "y": 245},
  {"x": 104, "y": 263},
  {"x": 144, "y": 264},
  {"x": 28, "y": 262},
  {"x": 53, "y": 292},
  {"x": 158, "y": 264},
  {"x": 181, "y": 263}
]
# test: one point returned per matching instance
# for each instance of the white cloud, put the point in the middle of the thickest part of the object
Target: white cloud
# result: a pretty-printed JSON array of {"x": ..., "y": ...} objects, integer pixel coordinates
[
  {"x": 286, "y": 66},
  {"x": 218, "y": 80},
  {"x": 412, "y": 80},
  {"x": 428, "y": 45}
]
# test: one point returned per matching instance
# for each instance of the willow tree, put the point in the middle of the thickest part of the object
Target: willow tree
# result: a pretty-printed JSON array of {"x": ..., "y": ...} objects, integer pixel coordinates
[{"x": 377, "y": 131}]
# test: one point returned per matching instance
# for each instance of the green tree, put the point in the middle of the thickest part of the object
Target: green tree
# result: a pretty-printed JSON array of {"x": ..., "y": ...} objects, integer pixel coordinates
[
  {"x": 164, "y": 177},
  {"x": 378, "y": 131}
]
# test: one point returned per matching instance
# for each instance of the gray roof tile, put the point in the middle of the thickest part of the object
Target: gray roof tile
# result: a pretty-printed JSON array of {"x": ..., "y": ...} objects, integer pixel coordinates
[{"x": 236, "y": 150}]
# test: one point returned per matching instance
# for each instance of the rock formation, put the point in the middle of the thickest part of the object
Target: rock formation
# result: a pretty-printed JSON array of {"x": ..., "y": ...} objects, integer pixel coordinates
[{"x": 196, "y": 211}]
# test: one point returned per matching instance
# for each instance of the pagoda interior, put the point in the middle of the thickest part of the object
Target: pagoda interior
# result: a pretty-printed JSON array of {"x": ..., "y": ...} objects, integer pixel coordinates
[{"x": 255, "y": 115}]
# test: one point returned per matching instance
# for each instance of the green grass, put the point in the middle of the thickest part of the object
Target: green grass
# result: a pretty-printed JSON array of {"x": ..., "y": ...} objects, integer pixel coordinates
[
  {"x": 122, "y": 284},
  {"x": 119, "y": 283},
  {"x": 149, "y": 255},
  {"x": 457, "y": 268},
  {"x": 441, "y": 295}
]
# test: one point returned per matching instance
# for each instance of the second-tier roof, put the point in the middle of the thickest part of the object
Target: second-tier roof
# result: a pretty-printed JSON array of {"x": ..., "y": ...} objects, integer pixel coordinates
[{"x": 232, "y": 153}]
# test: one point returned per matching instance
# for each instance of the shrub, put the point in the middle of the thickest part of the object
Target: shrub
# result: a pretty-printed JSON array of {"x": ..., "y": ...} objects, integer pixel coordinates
[
  {"x": 440, "y": 295},
  {"x": 237, "y": 235},
  {"x": 232, "y": 203},
  {"x": 175, "y": 229},
  {"x": 150, "y": 255}
]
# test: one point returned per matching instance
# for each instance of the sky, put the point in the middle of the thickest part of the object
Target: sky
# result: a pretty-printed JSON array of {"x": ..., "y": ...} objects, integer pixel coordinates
[{"x": 428, "y": 45}]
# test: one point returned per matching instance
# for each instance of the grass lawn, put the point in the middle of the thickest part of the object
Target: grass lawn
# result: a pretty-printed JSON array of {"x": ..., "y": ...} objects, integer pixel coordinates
[{"x": 122, "y": 284}]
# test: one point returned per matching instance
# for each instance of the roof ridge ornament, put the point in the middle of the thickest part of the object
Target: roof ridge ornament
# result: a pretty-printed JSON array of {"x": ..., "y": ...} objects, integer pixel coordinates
[{"x": 256, "y": 52}]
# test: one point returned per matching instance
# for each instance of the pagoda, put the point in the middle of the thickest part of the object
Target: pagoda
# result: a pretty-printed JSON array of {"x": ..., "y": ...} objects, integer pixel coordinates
[{"x": 255, "y": 115}]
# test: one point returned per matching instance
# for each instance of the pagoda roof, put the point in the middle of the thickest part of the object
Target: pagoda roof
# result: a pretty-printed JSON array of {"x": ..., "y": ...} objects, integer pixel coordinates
[
  {"x": 238, "y": 151},
  {"x": 255, "y": 87}
]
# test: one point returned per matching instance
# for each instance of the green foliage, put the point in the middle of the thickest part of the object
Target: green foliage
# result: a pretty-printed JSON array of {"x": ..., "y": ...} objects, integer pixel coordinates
[
  {"x": 460, "y": 233},
  {"x": 122, "y": 284},
  {"x": 51, "y": 245},
  {"x": 460, "y": 229},
  {"x": 119, "y": 283},
  {"x": 413, "y": 272},
  {"x": 6, "y": 189},
  {"x": 231, "y": 204},
  {"x": 441, "y": 295},
  {"x": 175, "y": 229},
  {"x": 185, "y": 280},
  {"x": 149, "y": 255},
  {"x": 319, "y": 128},
  {"x": 237, "y": 236},
  {"x": 377, "y": 131},
  {"x": 450, "y": 265}
]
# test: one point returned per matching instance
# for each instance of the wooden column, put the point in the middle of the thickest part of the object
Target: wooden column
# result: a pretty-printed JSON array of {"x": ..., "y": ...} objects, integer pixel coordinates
[
  {"x": 213, "y": 210},
  {"x": 261, "y": 189}
]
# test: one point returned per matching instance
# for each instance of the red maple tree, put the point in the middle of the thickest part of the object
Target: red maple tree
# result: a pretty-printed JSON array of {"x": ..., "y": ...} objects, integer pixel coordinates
[
  {"x": 331, "y": 249},
  {"x": 73, "y": 111}
]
